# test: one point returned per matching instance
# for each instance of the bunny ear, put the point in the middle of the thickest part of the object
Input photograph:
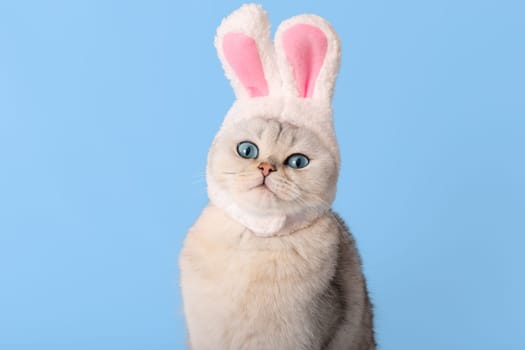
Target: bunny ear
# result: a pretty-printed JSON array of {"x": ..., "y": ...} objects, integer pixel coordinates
[
  {"x": 308, "y": 54},
  {"x": 246, "y": 52}
]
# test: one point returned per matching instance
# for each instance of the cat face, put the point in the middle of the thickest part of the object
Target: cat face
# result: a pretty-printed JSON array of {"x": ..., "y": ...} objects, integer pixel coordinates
[{"x": 271, "y": 167}]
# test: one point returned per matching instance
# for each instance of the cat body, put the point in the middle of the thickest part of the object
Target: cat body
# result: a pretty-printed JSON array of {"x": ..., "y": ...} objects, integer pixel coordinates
[
  {"x": 268, "y": 264},
  {"x": 301, "y": 291}
]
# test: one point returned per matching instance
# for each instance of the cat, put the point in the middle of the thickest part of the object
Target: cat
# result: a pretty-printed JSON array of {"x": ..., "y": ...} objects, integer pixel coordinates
[{"x": 268, "y": 264}]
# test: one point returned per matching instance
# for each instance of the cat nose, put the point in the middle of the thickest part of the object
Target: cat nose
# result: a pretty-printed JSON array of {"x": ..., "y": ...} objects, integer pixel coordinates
[{"x": 266, "y": 168}]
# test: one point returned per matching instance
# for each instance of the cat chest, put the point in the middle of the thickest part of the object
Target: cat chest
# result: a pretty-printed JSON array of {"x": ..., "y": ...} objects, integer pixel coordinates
[{"x": 258, "y": 284}]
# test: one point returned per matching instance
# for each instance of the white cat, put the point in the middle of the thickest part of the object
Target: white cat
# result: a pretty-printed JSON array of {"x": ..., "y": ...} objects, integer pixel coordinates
[{"x": 268, "y": 265}]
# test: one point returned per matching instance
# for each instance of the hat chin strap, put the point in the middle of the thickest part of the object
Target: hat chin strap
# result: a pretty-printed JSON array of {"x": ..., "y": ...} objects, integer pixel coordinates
[{"x": 262, "y": 225}]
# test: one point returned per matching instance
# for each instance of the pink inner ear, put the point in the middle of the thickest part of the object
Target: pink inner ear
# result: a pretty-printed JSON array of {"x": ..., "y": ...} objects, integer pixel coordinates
[
  {"x": 242, "y": 55},
  {"x": 305, "y": 46}
]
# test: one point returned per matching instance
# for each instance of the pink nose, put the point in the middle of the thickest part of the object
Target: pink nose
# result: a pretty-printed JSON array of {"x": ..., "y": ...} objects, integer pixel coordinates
[{"x": 266, "y": 168}]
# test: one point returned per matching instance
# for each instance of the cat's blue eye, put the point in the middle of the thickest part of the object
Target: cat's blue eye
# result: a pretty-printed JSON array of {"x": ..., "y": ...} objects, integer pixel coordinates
[
  {"x": 297, "y": 161},
  {"x": 248, "y": 150}
]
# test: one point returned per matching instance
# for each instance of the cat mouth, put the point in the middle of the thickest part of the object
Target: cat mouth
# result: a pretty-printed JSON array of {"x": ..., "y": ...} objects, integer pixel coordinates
[{"x": 263, "y": 187}]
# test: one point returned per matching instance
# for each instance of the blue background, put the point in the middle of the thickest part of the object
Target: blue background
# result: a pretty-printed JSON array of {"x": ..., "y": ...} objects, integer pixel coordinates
[{"x": 107, "y": 110}]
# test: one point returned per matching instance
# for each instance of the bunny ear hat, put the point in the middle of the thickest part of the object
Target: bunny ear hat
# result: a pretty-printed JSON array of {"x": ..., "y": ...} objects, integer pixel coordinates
[{"x": 290, "y": 80}]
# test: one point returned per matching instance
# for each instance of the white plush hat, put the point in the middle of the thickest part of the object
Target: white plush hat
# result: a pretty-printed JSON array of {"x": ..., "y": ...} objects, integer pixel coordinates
[{"x": 291, "y": 79}]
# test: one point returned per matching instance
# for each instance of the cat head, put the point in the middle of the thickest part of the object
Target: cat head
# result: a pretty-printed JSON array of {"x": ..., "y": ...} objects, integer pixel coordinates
[{"x": 274, "y": 163}]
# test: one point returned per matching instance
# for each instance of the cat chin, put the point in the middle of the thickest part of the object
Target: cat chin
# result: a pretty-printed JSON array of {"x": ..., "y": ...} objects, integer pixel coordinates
[
  {"x": 263, "y": 195},
  {"x": 263, "y": 200},
  {"x": 260, "y": 201},
  {"x": 265, "y": 218},
  {"x": 262, "y": 190}
]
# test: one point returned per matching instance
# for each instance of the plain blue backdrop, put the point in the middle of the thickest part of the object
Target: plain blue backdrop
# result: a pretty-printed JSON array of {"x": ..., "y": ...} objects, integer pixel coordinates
[{"x": 107, "y": 110}]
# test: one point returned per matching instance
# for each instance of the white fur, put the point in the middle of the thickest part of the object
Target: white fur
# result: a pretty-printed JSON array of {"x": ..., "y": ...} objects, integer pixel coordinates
[
  {"x": 282, "y": 103},
  {"x": 235, "y": 284},
  {"x": 302, "y": 112},
  {"x": 246, "y": 292},
  {"x": 261, "y": 269}
]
